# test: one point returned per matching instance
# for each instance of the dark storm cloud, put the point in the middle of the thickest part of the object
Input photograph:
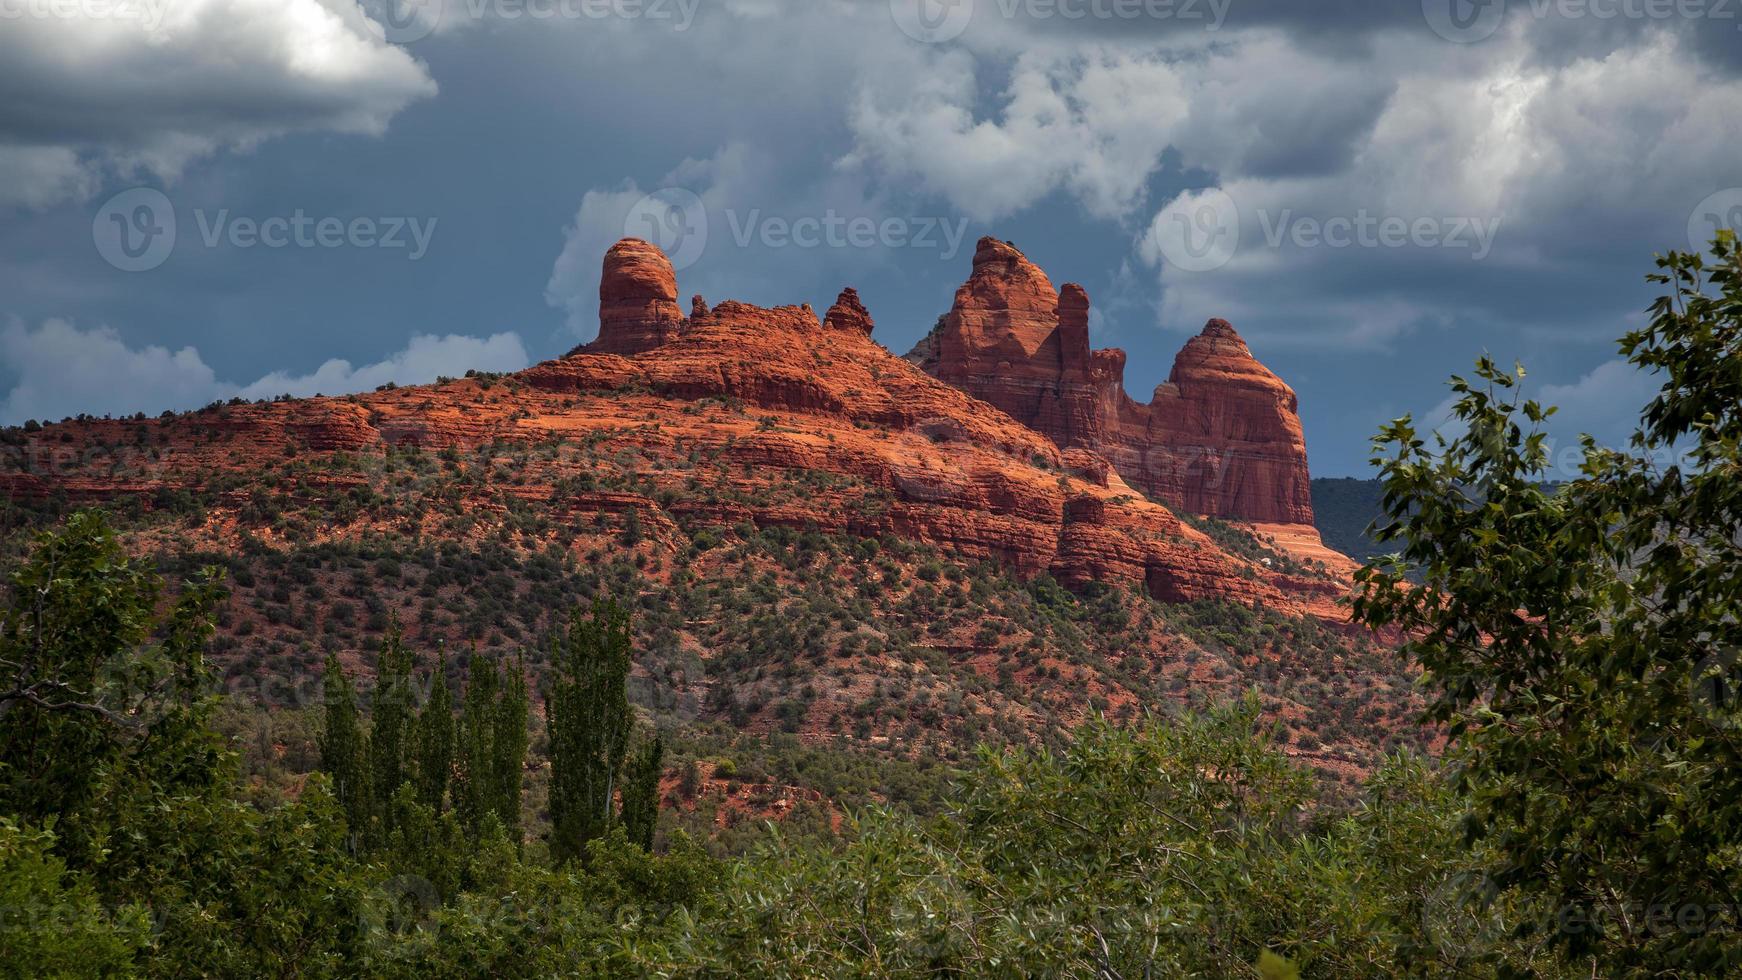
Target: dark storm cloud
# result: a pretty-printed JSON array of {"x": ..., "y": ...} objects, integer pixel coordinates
[{"x": 1592, "y": 140}]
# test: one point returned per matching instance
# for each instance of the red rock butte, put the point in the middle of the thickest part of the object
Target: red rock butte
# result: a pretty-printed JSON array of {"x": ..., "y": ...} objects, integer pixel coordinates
[
  {"x": 1220, "y": 437},
  {"x": 638, "y": 308},
  {"x": 1015, "y": 444}
]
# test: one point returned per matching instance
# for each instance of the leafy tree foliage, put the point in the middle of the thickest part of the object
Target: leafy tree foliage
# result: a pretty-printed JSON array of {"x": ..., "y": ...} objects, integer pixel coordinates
[
  {"x": 434, "y": 742},
  {"x": 641, "y": 792},
  {"x": 511, "y": 743},
  {"x": 492, "y": 747},
  {"x": 54, "y": 924},
  {"x": 589, "y": 722},
  {"x": 1584, "y": 643},
  {"x": 344, "y": 751},
  {"x": 1177, "y": 847},
  {"x": 392, "y": 714},
  {"x": 89, "y": 712},
  {"x": 119, "y": 808}
]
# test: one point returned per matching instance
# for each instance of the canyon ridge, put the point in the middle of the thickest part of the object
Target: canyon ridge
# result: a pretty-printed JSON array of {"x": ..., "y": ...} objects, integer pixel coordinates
[{"x": 821, "y": 537}]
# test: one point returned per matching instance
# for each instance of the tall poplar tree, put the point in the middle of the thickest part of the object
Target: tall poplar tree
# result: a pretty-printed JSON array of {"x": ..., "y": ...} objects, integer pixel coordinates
[
  {"x": 391, "y": 721},
  {"x": 343, "y": 753},
  {"x": 492, "y": 747},
  {"x": 434, "y": 742},
  {"x": 508, "y": 749},
  {"x": 473, "y": 798},
  {"x": 588, "y": 714},
  {"x": 641, "y": 791}
]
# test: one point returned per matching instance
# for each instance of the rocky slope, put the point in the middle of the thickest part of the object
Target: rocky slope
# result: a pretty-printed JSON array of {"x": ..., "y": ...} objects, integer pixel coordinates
[
  {"x": 1220, "y": 437},
  {"x": 819, "y": 537},
  {"x": 771, "y": 391}
]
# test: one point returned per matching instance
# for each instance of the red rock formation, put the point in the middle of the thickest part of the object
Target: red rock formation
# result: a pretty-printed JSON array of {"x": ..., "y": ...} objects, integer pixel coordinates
[
  {"x": 638, "y": 308},
  {"x": 849, "y": 314},
  {"x": 1003, "y": 343},
  {"x": 802, "y": 424},
  {"x": 1226, "y": 415},
  {"x": 1221, "y": 437}
]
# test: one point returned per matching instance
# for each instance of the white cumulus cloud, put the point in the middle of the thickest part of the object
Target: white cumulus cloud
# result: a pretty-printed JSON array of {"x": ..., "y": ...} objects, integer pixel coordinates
[
  {"x": 1517, "y": 164},
  {"x": 64, "y": 370},
  {"x": 1093, "y": 124},
  {"x": 150, "y": 85}
]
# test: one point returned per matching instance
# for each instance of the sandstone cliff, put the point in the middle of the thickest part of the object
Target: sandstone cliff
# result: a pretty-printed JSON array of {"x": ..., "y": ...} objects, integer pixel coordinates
[
  {"x": 1220, "y": 437},
  {"x": 803, "y": 424},
  {"x": 638, "y": 308}
]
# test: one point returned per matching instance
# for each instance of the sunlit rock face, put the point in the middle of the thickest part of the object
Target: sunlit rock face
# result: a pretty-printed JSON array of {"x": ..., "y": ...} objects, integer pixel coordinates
[{"x": 1221, "y": 437}]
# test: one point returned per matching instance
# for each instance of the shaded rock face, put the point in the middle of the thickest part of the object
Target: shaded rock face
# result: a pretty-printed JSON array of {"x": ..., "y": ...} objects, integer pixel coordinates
[
  {"x": 638, "y": 308},
  {"x": 1221, "y": 437}
]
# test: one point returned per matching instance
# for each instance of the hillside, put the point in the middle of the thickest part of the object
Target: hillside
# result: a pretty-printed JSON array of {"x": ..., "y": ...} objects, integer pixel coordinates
[
  {"x": 1343, "y": 509},
  {"x": 821, "y": 541}
]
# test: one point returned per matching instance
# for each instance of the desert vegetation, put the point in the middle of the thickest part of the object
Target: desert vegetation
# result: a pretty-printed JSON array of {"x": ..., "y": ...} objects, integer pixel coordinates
[{"x": 788, "y": 753}]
